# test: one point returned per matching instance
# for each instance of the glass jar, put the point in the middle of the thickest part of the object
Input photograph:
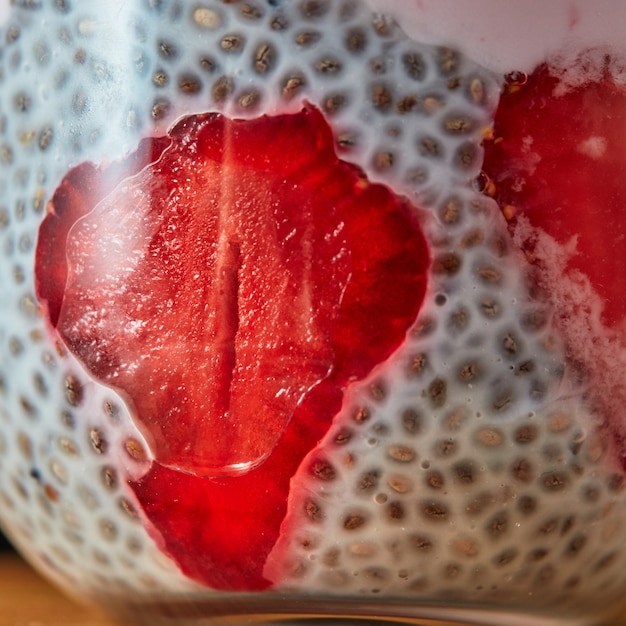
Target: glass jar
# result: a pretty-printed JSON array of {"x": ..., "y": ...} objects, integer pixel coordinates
[{"x": 313, "y": 309}]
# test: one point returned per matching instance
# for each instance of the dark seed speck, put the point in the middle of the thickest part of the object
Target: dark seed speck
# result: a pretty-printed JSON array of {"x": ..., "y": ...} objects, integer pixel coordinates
[
  {"x": 526, "y": 434},
  {"x": 328, "y": 65},
  {"x": 522, "y": 470},
  {"x": 73, "y": 391},
  {"x": 395, "y": 511},
  {"x": 465, "y": 156},
  {"x": 207, "y": 64},
  {"x": 263, "y": 58},
  {"x": 447, "y": 264},
  {"x": 414, "y": 65},
  {"x": 249, "y": 100},
  {"x": 293, "y": 85},
  {"x": 448, "y": 60},
  {"x": 323, "y": 470},
  {"x": 434, "y": 511},
  {"x": 368, "y": 481},
  {"x": 160, "y": 109},
  {"x": 307, "y": 38},
  {"x": 334, "y": 103},
  {"x": 98, "y": 441},
  {"x": 160, "y": 78},
  {"x": 356, "y": 40},
  {"x": 429, "y": 147},
  {"x": 222, "y": 89},
  {"x": 45, "y": 138},
  {"x": 505, "y": 557},
  {"x": 167, "y": 50},
  {"x": 554, "y": 481},
  {"x": 22, "y": 102},
  {"x": 353, "y": 521},
  {"x": 407, "y": 104},
  {"x": 438, "y": 392},
  {"x": 538, "y": 554},
  {"x": 527, "y": 505},
  {"x": 383, "y": 161},
  {"x": 313, "y": 510},
  {"x": 279, "y": 22},
  {"x": 109, "y": 477},
  {"x": 445, "y": 447},
  {"x": 498, "y": 524},
  {"x": 314, "y": 8},
  {"x": 421, "y": 543},
  {"x": 464, "y": 472},
  {"x": 232, "y": 43},
  {"x": 575, "y": 546},
  {"x": 412, "y": 421},
  {"x": 250, "y": 11},
  {"x": 435, "y": 479},
  {"x": 381, "y": 97}
]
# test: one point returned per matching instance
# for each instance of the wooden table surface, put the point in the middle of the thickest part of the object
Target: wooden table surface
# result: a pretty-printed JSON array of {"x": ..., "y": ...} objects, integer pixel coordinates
[{"x": 26, "y": 599}]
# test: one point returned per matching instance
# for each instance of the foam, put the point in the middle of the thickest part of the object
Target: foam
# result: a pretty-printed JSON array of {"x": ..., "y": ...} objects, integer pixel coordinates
[{"x": 578, "y": 317}]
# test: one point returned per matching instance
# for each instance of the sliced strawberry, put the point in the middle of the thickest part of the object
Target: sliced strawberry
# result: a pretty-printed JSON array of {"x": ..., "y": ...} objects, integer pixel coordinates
[
  {"x": 557, "y": 157},
  {"x": 79, "y": 190},
  {"x": 230, "y": 289},
  {"x": 221, "y": 530}
]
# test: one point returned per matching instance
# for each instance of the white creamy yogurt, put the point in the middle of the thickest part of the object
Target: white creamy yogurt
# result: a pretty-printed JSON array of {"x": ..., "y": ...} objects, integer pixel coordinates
[{"x": 511, "y": 35}]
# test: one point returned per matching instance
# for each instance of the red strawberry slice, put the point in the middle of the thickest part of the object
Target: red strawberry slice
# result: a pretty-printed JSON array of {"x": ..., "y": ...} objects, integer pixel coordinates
[
  {"x": 230, "y": 281},
  {"x": 557, "y": 157},
  {"x": 79, "y": 190},
  {"x": 221, "y": 530}
]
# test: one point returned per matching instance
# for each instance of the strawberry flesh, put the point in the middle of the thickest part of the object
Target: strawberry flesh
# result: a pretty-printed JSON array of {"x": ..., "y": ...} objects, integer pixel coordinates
[
  {"x": 229, "y": 280},
  {"x": 557, "y": 158}
]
